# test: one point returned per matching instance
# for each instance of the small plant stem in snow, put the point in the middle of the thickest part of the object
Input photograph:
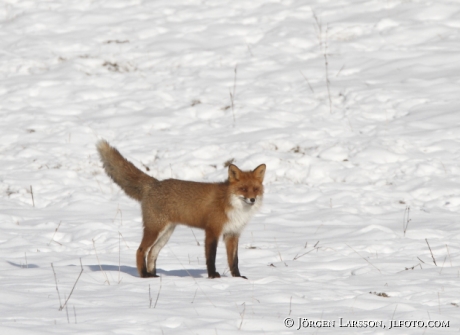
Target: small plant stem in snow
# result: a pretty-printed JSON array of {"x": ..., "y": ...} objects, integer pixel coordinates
[
  {"x": 242, "y": 316},
  {"x": 364, "y": 258},
  {"x": 126, "y": 243},
  {"x": 57, "y": 288},
  {"x": 442, "y": 266},
  {"x": 121, "y": 215},
  {"x": 100, "y": 266},
  {"x": 32, "y": 194},
  {"x": 232, "y": 95},
  {"x": 306, "y": 79},
  {"x": 150, "y": 298},
  {"x": 432, "y": 256},
  {"x": 194, "y": 296},
  {"x": 296, "y": 257},
  {"x": 343, "y": 66},
  {"x": 406, "y": 219},
  {"x": 197, "y": 243},
  {"x": 279, "y": 253},
  {"x": 65, "y": 303},
  {"x": 158, "y": 295},
  {"x": 67, "y": 312},
  {"x": 393, "y": 317},
  {"x": 55, "y": 231}
]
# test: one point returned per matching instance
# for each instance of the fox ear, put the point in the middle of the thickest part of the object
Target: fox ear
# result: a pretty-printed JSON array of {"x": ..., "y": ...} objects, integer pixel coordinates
[
  {"x": 233, "y": 173},
  {"x": 259, "y": 172}
]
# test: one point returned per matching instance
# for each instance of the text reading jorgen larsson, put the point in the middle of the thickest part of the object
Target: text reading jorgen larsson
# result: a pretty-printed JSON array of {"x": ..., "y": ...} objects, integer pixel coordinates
[{"x": 342, "y": 323}]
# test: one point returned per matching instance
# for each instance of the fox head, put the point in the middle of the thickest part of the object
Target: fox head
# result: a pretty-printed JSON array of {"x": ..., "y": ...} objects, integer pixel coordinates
[{"x": 247, "y": 185}]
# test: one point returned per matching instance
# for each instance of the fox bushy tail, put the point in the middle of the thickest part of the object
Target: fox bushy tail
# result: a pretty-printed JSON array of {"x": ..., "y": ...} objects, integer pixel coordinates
[{"x": 132, "y": 180}]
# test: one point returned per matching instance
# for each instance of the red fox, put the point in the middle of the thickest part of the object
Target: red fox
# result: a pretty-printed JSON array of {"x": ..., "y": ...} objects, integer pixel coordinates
[{"x": 218, "y": 208}]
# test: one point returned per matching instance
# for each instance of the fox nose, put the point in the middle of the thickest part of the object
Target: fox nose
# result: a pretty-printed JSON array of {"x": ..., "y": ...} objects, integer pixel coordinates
[{"x": 252, "y": 200}]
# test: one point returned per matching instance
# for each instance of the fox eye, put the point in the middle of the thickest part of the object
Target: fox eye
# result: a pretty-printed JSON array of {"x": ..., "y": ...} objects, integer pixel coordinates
[
  {"x": 256, "y": 189},
  {"x": 243, "y": 189}
]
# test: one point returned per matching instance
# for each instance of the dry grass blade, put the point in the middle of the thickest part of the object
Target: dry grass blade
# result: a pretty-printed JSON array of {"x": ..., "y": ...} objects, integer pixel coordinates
[
  {"x": 308, "y": 82},
  {"x": 57, "y": 288},
  {"x": 32, "y": 194},
  {"x": 242, "y": 316},
  {"x": 100, "y": 266},
  {"x": 406, "y": 219},
  {"x": 55, "y": 231},
  {"x": 150, "y": 298},
  {"x": 432, "y": 256},
  {"x": 73, "y": 288},
  {"x": 197, "y": 243},
  {"x": 364, "y": 259},
  {"x": 158, "y": 295}
]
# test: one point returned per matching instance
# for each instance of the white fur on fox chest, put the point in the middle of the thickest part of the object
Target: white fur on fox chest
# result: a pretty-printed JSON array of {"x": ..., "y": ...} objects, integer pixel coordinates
[{"x": 239, "y": 215}]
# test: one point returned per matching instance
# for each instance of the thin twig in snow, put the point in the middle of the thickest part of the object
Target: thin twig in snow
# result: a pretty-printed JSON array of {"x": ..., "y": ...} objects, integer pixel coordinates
[
  {"x": 158, "y": 295},
  {"x": 279, "y": 253},
  {"x": 100, "y": 266},
  {"x": 308, "y": 82},
  {"x": 57, "y": 288},
  {"x": 343, "y": 66},
  {"x": 67, "y": 312},
  {"x": 393, "y": 317},
  {"x": 364, "y": 258},
  {"x": 121, "y": 215},
  {"x": 65, "y": 303},
  {"x": 197, "y": 243},
  {"x": 194, "y": 296},
  {"x": 242, "y": 316},
  {"x": 232, "y": 95},
  {"x": 32, "y": 194},
  {"x": 150, "y": 298},
  {"x": 406, "y": 219},
  {"x": 55, "y": 231},
  {"x": 126, "y": 243},
  {"x": 434, "y": 260},
  {"x": 442, "y": 267}
]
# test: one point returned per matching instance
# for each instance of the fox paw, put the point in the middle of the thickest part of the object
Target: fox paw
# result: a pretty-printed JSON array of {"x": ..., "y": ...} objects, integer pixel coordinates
[
  {"x": 214, "y": 275},
  {"x": 146, "y": 274}
]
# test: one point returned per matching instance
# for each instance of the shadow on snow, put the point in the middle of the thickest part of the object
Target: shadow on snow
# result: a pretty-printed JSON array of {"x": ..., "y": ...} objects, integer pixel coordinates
[{"x": 133, "y": 271}]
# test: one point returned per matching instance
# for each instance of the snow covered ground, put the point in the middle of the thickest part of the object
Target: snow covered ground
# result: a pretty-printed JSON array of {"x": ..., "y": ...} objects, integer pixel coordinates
[{"x": 352, "y": 104}]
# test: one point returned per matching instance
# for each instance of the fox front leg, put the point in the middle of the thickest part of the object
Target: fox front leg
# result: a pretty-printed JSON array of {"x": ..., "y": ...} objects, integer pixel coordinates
[
  {"x": 231, "y": 243},
  {"x": 211, "y": 250}
]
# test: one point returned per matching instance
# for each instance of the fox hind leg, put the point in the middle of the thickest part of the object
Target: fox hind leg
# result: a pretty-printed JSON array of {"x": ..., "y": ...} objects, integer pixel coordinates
[
  {"x": 149, "y": 238},
  {"x": 156, "y": 248}
]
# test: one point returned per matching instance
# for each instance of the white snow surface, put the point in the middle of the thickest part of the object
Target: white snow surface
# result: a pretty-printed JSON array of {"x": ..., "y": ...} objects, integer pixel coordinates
[{"x": 352, "y": 104}]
